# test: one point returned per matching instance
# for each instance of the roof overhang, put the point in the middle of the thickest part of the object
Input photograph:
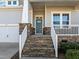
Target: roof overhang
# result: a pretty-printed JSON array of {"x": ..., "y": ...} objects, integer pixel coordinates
[{"x": 55, "y": 2}]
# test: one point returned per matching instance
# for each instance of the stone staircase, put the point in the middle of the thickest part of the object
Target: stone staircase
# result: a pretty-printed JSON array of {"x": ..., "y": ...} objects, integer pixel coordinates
[{"x": 38, "y": 46}]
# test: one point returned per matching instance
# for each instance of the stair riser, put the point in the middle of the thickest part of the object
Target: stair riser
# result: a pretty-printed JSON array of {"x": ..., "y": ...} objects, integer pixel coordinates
[{"x": 39, "y": 46}]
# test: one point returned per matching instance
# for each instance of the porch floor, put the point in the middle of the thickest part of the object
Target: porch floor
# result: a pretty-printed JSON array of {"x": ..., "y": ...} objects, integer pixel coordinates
[{"x": 7, "y": 50}]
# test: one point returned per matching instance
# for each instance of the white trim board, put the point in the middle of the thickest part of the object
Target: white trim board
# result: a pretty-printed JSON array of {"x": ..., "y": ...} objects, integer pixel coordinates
[
  {"x": 8, "y": 25},
  {"x": 68, "y": 34}
]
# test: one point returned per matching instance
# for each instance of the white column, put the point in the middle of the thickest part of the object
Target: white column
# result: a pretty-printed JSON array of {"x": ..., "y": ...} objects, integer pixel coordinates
[
  {"x": 32, "y": 17},
  {"x": 45, "y": 16},
  {"x": 25, "y": 12}
]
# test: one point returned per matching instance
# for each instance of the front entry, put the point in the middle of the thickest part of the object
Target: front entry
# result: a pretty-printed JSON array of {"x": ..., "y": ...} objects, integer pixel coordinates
[{"x": 38, "y": 25}]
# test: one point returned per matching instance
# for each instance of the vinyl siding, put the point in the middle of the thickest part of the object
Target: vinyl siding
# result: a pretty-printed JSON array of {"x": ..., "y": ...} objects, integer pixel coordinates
[
  {"x": 74, "y": 14},
  {"x": 10, "y": 15}
]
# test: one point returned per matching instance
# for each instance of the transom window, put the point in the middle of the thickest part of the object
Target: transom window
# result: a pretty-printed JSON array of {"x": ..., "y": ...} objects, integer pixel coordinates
[{"x": 61, "y": 19}]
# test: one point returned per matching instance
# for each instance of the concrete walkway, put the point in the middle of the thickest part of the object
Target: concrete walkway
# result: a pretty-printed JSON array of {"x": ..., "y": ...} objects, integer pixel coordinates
[
  {"x": 37, "y": 58},
  {"x": 7, "y": 50}
]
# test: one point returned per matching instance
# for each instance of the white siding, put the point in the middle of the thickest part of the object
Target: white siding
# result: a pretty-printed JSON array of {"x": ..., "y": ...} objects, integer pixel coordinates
[
  {"x": 74, "y": 14},
  {"x": 75, "y": 17},
  {"x": 10, "y": 16},
  {"x": 30, "y": 14}
]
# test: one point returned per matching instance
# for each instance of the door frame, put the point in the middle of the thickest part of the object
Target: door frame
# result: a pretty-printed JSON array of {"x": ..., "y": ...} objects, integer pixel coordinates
[{"x": 42, "y": 23}]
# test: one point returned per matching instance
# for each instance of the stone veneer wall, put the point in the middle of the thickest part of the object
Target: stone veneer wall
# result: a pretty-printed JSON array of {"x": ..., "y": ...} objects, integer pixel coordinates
[
  {"x": 28, "y": 29},
  {"x": 22, "y": 26},
  {"x": 68, "y": 38},
  {"x": 32, "y": 31},
  {"x": 47, "y": 30}
]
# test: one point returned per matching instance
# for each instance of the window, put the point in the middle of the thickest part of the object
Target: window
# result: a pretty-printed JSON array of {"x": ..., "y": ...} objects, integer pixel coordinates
[
  {"x": 14, "y": 2},
  {"x": 9, "y": 2},
  {"x": 61, "y": 19},
  {"x": 56, "y": 18},
  {"x": 65, "y": 19}
]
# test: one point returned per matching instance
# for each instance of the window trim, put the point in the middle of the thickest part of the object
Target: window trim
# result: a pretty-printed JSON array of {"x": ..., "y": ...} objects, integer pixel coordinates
[
  {"x": 12, "y": 3},
  {"x": 61, "y": 12}
]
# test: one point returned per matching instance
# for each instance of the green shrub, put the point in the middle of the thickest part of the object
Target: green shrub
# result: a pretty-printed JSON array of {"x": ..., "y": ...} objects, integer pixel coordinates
[
  {"x": 72, "y": 54},
  {"x": 64, "y": 46}
]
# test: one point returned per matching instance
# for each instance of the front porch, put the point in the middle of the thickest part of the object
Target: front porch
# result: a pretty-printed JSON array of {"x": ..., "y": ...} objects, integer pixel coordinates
[
  {"x": 41, "y": 16},
  {"x": 70, "y": 34},
  {"x": 54, "y": 20}
]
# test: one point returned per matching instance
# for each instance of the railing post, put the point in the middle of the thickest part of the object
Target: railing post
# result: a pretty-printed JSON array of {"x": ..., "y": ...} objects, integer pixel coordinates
[
  {"x": 20, "y": 47},
  {"x": 56, "y": 46},
  {"x": 78, "y": 30},
  {"x": 55, "y": 40}
]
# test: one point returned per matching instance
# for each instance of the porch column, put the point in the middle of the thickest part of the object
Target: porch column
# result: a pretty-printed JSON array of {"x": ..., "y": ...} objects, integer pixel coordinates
[
  {"x": 25, "y": 12},
  {"x": 45, "y": 15}
]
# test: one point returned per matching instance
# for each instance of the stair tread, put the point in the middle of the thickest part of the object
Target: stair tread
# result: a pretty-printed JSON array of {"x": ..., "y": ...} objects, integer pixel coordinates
[{"x": 38, "y": 46}]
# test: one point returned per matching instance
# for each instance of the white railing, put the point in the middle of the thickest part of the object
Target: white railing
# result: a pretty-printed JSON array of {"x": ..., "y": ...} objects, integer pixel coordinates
[
  {"x": 67, "y": 29},
  {"x": 22, "y": 40},
  {"x": 62, "y": 30},
  {"x": 55, "y": 40}
]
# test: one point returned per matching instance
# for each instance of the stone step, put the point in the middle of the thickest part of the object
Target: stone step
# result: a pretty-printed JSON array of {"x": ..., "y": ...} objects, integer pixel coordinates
[
  {"x": 39, "y": 38},
  {"x": 37, "y": 49},
  {"x": 36, "y": 39},
  {"x": 38, "y": 57},
  {"x": 35, "y": 42},
  {"x": 45, "y": 52},
  {"x": 38, "y": 46},
  {"x": 48, "y": 36},
  {"x": 40, "y": 42}
]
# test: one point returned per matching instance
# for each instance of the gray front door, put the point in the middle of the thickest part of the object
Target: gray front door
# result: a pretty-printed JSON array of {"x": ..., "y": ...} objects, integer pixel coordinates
[{"x": 38, "y": 25}]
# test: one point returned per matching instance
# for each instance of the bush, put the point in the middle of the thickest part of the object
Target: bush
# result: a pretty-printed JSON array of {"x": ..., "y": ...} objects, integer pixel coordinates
[
  {"x": 68, "y": 45},
  {"x": 72, "y": 54}
]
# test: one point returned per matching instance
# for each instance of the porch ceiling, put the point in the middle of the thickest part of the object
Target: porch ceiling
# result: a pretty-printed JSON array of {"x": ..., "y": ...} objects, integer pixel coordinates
[
  {"x": 53, "y": 0},
  {"x": 56, "y": 3}
]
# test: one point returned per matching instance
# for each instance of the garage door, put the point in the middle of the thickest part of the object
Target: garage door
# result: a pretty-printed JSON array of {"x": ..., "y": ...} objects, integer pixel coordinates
[{"x": 9, "y": 33}]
